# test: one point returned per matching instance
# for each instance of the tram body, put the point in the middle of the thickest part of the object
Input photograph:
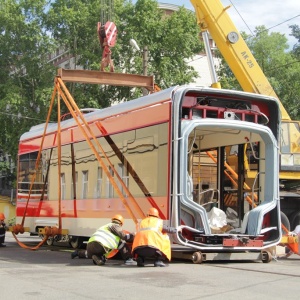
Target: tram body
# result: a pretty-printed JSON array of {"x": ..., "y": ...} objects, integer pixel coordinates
[{"x": 181, "y": 150}]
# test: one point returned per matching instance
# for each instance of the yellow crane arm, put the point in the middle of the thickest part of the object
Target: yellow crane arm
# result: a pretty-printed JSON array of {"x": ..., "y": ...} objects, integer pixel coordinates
[{"x": 212, "y": 16}]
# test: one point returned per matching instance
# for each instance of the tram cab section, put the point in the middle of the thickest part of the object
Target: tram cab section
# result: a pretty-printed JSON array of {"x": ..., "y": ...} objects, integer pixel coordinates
[
  {"x": 217, "y": 197},
  {"x": 219, "y": 180}
]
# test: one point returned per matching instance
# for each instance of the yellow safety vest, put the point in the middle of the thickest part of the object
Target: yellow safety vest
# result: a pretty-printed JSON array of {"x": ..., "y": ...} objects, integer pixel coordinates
[{"x": 107, "y": 239}]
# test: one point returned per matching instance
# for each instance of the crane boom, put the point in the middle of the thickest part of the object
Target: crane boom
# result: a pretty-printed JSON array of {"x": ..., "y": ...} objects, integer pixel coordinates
[{"x": 212, "y": 16}]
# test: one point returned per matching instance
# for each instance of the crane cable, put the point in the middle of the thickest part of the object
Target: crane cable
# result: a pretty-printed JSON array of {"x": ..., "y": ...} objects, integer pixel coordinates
[{"x": 106, "y": 11}]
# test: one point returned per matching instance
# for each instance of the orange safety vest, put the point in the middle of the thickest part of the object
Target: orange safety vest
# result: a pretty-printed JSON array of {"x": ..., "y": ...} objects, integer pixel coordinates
[{"x": 150, "y": 234}]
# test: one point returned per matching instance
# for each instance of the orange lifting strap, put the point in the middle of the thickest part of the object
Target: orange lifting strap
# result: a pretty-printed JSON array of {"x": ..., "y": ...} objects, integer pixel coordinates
[
  {"x": 87, "y": 132},
  {"x": 62, "y": 92}
]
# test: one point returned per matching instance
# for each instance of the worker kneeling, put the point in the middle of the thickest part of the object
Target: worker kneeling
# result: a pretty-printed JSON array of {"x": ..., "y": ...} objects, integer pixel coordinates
[
  {"x": 3, "y": 229},
  {"x": 152, "y": 241},
  {"x": 105, "y": 240}
]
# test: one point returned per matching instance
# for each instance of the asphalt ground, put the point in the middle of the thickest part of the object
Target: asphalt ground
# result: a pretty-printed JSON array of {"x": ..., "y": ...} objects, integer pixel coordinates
[{"x": 50, "y": 273}]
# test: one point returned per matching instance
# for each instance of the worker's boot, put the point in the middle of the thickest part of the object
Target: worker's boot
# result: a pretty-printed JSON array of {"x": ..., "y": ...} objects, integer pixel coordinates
[
  {"x": 140, "y": 261},
  {"x": 130, "y": 262},
  {"x": 82, "y": 253},
  {"x": 98, "y": 261},
  {"x": 79, "y": 254},
  {"x": 2, "y": 245},
  {"x": 159, "y": 263},
  {"x": 74, "y": 254}
]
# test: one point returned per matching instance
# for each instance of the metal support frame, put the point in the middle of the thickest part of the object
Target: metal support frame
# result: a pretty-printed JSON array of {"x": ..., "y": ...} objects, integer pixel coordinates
[{"x": 107, "y": 78}]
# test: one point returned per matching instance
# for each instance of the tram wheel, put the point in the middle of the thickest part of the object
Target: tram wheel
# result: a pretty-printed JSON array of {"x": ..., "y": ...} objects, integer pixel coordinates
[
  {"x": 285, "y": 221},
  {"x": 266, "y": 256},
  {"x": 295, "y": 219},
  {"x": 50, "y": 241},
  {"x": 76, "y": 242},
  {"x": 197, "y": 257}
]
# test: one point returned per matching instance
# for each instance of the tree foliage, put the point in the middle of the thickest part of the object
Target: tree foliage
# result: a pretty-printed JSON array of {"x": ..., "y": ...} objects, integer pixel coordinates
[
  {"x": 279, "y": 65},
  {"x": 30, "y": 30},
  {"x": 73, "y": 23},
  {"x": 296, "y": 33},
  {"x": 24, "y": 69}
]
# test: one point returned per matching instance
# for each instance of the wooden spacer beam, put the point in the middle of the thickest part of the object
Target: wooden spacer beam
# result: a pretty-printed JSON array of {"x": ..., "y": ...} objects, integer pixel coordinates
[{"x": 107, "y": 78}]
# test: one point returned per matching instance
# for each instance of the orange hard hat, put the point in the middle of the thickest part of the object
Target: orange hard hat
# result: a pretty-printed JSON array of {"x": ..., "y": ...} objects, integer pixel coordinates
[
  {"x": 118, "y": 218},
  {"x": 153, "y": 212},
  {"x": 2, "y": 217}
]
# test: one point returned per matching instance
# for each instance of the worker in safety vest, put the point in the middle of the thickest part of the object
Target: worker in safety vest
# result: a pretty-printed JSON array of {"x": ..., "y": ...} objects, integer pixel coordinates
[
  {"x": 295, "y": 248},
  {"x": 2, "y": 230},
  {"x": 105, "y": 240},
  {"x": 152, "y": 241}
]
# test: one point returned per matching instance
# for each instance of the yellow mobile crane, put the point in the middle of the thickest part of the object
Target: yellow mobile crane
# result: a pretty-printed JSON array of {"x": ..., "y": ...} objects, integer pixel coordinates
[{"x": 212, "y": 17}]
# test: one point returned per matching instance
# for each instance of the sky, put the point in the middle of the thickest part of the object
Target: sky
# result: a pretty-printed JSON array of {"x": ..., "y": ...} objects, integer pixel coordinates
[{"x": 253, "y": 13}]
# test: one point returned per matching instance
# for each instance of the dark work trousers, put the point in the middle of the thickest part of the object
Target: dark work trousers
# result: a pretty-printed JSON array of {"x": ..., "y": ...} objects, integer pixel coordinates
[
  {"x": 150, "y": 252},
  {"x": 95, "y": 248},
  {"x": 2, "y": 234}
]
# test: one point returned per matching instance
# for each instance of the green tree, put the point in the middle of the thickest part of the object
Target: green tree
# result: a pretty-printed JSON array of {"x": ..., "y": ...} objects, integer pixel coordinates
[
  {"x": 296, "y": 33},
  {"x": 73, "y": 23},
  {"x": 280, "y": 67},
  {"x": 24, "y": 70},
  {"x": 30, "y": 30},
  {"x": 171, "y": 40}
]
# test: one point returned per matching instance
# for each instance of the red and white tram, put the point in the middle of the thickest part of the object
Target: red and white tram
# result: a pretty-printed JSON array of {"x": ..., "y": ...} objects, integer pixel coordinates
[{"x": 182, "y": 150}]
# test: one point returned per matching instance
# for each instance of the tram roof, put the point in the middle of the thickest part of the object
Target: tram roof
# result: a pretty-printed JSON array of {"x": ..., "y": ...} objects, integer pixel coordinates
[{"x": 139, "y": 103}]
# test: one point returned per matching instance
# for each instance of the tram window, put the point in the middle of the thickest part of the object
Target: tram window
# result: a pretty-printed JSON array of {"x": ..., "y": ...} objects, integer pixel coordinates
[
  {"x": 99, "y": 182},
  {"x": 26, "y": 170},
  {"x": 110, "y": 188},
  {"x": 123, "y": 173},
  {"x": 63, "y": 185},
  {"x": 74, "y": 196},
  {"x": 85, "y": 178}
]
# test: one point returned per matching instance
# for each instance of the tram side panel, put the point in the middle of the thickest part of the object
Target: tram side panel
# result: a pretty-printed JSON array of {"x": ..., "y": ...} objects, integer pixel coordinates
[{"x": 89, "y": 200}]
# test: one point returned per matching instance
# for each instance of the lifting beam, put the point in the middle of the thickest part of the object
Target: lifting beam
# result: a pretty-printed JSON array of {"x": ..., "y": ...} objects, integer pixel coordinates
[{"x": 108, "y": 78}]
